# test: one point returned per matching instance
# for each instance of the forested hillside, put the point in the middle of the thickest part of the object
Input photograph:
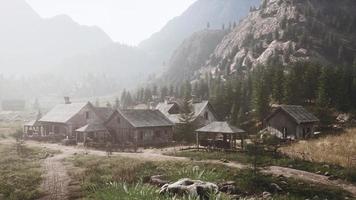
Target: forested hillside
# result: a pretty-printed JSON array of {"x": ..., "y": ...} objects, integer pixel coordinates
[{"x": 285, "y": 52}]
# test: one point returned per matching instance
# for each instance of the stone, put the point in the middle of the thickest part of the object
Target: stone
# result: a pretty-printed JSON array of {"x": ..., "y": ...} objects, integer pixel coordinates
[
  {"x": 228, "y": 187},
  {"x": 158, "y": 180},
  {"x": 187, "y": 186},
  {"x": 327, "y": 174},
  {"x": 266, "y": 195},
  {"x": 276, "y": 187}
]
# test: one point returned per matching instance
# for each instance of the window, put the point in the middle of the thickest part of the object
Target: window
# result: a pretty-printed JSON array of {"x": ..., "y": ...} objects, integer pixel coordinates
[
  {"x": 87, "y": 115},
  {"x": 206, "y": 115},
  {"x": 118, "y": 120}
]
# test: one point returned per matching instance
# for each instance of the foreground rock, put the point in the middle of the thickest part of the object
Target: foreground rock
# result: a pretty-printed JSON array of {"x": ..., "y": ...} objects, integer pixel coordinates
[{"x": 190, "y": 187}]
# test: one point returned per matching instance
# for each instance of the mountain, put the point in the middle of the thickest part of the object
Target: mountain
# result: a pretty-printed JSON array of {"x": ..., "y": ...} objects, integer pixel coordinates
[
  {"x": 287, "y": 31},
  {"x": 215, "y": 12},
  {"x": 192, "y": 54},
  {"x": 31, "y": 44},
  {"x": 125, "y": 64}
]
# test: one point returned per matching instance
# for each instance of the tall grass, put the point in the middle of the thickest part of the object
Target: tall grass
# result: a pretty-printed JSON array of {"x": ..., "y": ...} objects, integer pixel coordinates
[
  {"x": 139, "y": 191},
  {"x": 338, "y": 149},
  {"x": 20, "y": 172}
]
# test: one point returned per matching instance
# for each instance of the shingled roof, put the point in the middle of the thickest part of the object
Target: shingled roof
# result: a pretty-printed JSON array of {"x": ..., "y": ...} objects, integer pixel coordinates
[
  {"x": 62, "y": 113},
  {"x": 146, "y": 118},
  {"x": 92, "y": 127},
  {"x": 104, "y": 113},
  {"x": 220, "y": 127},
  {"x": 298, "y": 113}
]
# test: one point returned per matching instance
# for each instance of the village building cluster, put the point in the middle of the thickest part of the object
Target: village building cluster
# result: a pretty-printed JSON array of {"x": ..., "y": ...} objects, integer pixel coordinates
[{"x": 144, "y": 126}]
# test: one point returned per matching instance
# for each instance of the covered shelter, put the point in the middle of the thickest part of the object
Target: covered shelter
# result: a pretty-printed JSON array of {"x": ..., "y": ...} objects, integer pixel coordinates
[
  {"x": 95, "y": 131},
  {"x": 219, "y": 135},
  {"x": 32, "y": 127}
]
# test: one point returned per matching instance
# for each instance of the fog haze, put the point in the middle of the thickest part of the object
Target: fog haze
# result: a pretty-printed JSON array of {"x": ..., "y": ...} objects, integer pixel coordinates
[{"x": 124, "y": 21}]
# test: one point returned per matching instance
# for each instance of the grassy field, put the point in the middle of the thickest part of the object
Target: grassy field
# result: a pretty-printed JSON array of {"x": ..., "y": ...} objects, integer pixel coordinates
[
  {"x": 122, "y": 178},
  {"x": 268, "y": 159},
  {"x": 8, "y": 128},
  {"x": 20, "y": 171},
  {"x": 338, "y": 149}
]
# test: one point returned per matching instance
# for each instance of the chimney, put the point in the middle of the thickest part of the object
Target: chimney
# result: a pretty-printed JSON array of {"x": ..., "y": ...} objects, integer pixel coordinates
[{"x": 67, "y": 100}]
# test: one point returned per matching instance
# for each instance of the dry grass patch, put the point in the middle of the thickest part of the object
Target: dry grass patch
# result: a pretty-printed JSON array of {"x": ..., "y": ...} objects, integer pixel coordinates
[{"x": 338, "y": 149}]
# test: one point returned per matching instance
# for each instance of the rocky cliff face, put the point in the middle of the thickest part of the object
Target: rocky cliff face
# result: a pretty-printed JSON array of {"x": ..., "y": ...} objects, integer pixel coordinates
[
  {"x": 286, "y": 31},
  {"x": 162, "y": 44},
  {"x": 192, "y": 54}
]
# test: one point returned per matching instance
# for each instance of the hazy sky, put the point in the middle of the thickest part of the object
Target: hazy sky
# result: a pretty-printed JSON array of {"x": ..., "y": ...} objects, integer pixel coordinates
[{"x": 126, "y": 21}]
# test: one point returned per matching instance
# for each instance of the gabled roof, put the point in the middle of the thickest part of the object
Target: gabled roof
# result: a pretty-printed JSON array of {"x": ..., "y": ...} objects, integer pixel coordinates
[
  {"x": 92, "y": 127},
  {"x": 104, "y": 113},
  {"x": 298, "y": 113},
  {"x": 146, "y": 118},
  {"x": 220, "y": 127},
  {"x": 165, "y": 107},
  {"x": 198, "y": 108},
  {"x": 62, "y": 113}
]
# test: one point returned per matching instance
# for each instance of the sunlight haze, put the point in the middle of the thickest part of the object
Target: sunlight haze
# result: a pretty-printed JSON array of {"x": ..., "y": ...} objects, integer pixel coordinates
[{"x": 127, "y": 22}]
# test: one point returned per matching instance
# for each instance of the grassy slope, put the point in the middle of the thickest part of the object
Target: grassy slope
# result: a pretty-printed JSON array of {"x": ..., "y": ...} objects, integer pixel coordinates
[
  {"x": 332, "y": 149},
  {"x": 122, "y": 178},
  {"x": 20, "y": 171}
]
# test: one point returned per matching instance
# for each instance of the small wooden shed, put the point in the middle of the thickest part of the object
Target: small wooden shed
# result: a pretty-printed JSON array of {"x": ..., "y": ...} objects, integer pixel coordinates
[
  {"x": 292, "y": 121},
  {"x": 209, "y": 135}
]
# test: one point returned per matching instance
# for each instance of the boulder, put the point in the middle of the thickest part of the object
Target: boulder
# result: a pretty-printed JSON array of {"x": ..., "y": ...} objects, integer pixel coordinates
[
  {"x": 187, "y": 186},
  {"x": 276, "y": 187},
  {"x": 228, "y": 187},
  {"x": 158, "y": 180},
  {"x": 266, "y": 195}
]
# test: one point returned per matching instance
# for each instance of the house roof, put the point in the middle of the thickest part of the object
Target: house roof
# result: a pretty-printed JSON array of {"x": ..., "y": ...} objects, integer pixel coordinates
[
  {"x": 165, "y": 107},
  {"x": 141, "y": 106},
  {"x": 198, "y": 108},
  {"x": 62, "y": 113},
  {"x": 220, "y": 127},
  {"x": 146, "y": 118},
  {"x": 104, "y": 113},
  {"x": 32, "y": 123},
  {"x": 92, "y": 127},
  {"x": 298, "y": 113}
]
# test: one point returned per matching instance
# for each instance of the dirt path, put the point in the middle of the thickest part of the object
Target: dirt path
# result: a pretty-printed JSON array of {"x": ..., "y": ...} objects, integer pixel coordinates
[
  {"x": 56, "y": 171},
  {"x": 311, "y": 177},
  {"x": 56, "y": 180}
]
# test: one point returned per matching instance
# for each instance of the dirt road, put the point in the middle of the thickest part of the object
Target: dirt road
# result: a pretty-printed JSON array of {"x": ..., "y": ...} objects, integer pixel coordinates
[{"x": 57, "y": 180}]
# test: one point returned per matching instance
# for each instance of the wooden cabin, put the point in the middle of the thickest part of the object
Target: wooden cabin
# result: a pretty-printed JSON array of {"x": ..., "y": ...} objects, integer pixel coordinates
[
  {"x": 291, "y": 122},
  {"x": 141, "y": 127},
  {"x": 204, "y": 113}
]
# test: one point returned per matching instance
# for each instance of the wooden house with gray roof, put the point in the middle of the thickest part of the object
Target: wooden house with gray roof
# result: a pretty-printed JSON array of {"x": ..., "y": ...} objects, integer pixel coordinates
[
  {"x": 142, "y": 127},
  {"x": 204, "y": 113},
  {"x": 292, "y": 122}
]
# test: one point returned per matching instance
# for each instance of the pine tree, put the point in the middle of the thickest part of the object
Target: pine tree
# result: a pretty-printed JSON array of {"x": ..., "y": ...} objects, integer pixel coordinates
[
  {"x": 117, "y": 103},
  {"x": 260, "y": 93},
  {"x": 187, "y": 126},
  {"x": 277, "y": 85}
]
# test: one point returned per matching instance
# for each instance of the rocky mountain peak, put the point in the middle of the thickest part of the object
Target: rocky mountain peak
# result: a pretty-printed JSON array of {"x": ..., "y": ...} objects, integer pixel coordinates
[{"x": 286, "y": 31}]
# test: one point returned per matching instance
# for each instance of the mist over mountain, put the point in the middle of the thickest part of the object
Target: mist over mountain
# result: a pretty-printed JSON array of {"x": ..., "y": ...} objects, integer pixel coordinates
[
  {"x": 192, "y": 54},
  {"x": 31, "y": 44},
  {"x": 162, "y": 44}
]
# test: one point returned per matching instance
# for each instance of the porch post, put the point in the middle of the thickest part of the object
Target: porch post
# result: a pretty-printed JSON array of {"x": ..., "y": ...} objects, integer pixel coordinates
[{"x": 197, "y": 139}]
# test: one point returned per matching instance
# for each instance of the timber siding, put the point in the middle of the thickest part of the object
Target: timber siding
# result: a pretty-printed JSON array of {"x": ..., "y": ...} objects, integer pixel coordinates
[
  {"x": 293, "y": 122},
  {"x": 127, "y": 129}
]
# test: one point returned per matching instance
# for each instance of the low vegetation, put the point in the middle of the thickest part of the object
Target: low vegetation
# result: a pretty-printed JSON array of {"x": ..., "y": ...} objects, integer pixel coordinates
[
  {"x": 8, "y": 128},
  {"x": 271, "y": 159},
  {"x": 123, "y": 178},
  {"x": 20, "y": 171},
  {"x": 336, "y": 149}
]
